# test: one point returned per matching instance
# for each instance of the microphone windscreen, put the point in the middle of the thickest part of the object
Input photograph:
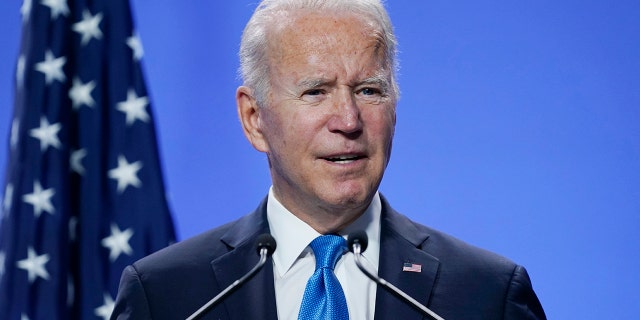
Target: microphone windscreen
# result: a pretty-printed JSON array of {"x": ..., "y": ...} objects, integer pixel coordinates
[
  {"x": 267, "y": 241},
  {"x": 359, "y": 237}
]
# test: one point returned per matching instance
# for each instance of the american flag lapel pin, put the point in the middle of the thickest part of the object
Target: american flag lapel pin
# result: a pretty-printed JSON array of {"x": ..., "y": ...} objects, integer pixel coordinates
[{"x": 411, "y": 267}]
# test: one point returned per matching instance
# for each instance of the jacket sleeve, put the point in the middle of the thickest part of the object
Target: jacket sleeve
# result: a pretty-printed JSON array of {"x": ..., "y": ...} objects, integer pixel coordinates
[
  {"x": 131, "y": 302},
  {"x": 521, "y": 301}
]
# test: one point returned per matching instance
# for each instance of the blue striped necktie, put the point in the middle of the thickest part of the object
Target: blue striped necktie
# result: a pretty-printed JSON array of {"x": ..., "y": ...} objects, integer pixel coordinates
[{"x": 323, "y": 297}]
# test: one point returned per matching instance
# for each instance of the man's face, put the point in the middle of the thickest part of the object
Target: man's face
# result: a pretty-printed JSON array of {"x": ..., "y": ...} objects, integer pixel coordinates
[{"x": 329, "y": 119}]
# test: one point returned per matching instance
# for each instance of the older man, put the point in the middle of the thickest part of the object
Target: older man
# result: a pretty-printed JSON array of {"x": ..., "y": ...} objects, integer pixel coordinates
[{"x": 319, "y": 100}]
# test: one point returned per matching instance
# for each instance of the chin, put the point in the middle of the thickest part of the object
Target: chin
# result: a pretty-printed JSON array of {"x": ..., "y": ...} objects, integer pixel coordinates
[{"x": 350, "y": 199}]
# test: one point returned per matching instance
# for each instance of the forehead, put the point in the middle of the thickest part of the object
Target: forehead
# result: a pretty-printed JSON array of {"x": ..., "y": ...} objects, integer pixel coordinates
[{"x": 307, "y": 34}]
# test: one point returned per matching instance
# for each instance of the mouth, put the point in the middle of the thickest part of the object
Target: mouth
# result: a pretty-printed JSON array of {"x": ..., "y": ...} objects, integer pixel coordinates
[{"x": 344, "y": 159}]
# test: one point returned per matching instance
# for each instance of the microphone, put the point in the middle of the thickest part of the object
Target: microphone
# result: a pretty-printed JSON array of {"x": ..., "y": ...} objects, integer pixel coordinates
[
  {"x": 265, "y": 246},
  {"x": 357, "y": 242}
]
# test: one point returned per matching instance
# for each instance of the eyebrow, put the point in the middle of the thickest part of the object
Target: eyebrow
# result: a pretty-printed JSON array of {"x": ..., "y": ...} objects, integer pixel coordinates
[
  {"x": 377, "y": 79},
  {"x": 313, "y": 83}
]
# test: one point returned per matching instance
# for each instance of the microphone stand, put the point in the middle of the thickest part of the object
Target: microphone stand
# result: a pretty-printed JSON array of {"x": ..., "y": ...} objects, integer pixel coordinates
[
  {"x": 263, "y": 258},
  {"x": 385, "y": 284}
]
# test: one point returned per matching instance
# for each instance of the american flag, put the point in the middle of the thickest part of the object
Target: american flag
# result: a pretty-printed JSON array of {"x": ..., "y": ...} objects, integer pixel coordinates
[
  {"x": 411, "y": 267},
  {"x": 83, "y": 195}
]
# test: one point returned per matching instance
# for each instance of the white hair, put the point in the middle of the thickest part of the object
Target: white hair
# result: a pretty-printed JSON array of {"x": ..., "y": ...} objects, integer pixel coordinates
[{"x": 254, "y": 66}]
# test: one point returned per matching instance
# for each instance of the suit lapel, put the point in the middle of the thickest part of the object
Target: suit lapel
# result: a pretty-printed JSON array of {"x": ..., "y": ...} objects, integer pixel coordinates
[
  {"x": 400, "y": 243},
  {"x": 256, "y": 298}
]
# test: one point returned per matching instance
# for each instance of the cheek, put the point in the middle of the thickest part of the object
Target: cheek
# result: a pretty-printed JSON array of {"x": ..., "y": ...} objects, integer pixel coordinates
[
  {"x": 288, "y": 132},
  {"x": 383, "y": 122},
  {"x": 271, "y": 129}
]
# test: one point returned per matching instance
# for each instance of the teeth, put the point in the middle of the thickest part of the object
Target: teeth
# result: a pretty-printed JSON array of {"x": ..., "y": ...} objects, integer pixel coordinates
[{"x": 343, "y": 159}]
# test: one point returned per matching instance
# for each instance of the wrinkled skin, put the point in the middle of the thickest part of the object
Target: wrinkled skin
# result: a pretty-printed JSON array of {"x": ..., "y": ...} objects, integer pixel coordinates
[{"x": 328, "y": 123}]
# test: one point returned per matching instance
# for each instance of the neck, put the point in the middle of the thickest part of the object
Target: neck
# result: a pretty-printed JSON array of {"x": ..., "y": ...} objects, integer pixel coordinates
[{"x": 324, "y": 219}]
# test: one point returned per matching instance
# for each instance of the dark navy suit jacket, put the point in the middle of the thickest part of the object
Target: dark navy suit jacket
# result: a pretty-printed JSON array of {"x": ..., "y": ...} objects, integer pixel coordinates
[{"x": 457, "y": 281}]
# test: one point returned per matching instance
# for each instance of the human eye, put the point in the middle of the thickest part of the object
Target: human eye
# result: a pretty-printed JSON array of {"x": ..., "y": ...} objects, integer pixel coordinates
[
  {"x": 368, "y": 91},
  {"x": 370, "y": 94},
  {"x": 313, "y": 92},
  {"x": 313, "y": 96}
]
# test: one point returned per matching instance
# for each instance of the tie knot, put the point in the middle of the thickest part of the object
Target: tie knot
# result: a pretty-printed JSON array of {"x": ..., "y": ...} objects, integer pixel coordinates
[{"x": 328, "y": 249}]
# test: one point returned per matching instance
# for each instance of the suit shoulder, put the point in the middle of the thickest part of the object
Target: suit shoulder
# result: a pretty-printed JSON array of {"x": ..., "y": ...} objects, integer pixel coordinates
[
  {"x": 454, "y": 254},
  {"x": 453, "y": 249},
  {"x": 488, "y": 278},
  {"x": 443, "y": 246},
  {"x": 198, "y": 250}
]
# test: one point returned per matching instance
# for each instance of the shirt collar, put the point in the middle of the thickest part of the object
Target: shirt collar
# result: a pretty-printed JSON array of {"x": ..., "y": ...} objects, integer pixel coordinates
[{"x": 294, "y": 235}]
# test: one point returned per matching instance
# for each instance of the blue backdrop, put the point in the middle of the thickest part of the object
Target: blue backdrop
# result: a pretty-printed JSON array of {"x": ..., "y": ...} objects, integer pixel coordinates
[{"x": 518, "y": 131}]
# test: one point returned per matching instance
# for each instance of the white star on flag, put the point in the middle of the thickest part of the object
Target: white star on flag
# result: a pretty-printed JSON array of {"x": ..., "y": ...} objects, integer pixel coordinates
[
  {"x": 126, "y": 173},
  {"x": 40, "y": 199},
  {"x": 76, "y": 161},
  {"x": 88, "y": 27},
  {"x": 47, "y": 134},
  {"x": 80, "y": 93},
  {"x": 57, "y": 7},
  {"x": 23, "y": 317},
  {"x": 134, "y": 107},
  {"x": 136, "y": 45},
  {"x": 118, "y": 242},
  {"x": 106, "y": 309},
  {"x": 52, "y": 67},
  {"x": 34, "y": 265}
]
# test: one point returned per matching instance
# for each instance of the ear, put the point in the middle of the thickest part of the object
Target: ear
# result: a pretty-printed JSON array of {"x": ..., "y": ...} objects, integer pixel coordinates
[{"x": 249, "y": 115}]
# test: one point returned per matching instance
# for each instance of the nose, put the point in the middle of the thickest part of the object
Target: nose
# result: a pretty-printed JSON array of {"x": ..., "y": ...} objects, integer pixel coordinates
[{"x": 345, "y": 117}]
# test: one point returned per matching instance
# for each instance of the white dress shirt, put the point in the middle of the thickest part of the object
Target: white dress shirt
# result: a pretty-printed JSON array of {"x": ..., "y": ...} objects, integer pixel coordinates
[{"x": 294, "y": 261}]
